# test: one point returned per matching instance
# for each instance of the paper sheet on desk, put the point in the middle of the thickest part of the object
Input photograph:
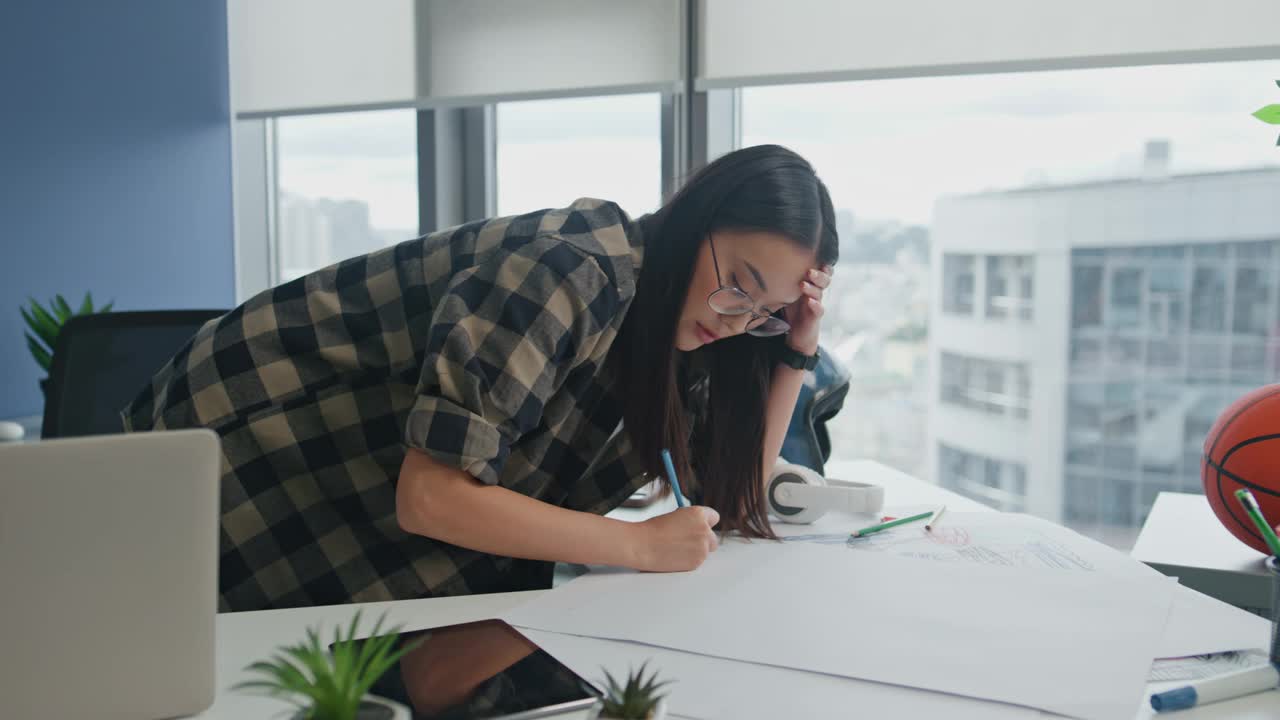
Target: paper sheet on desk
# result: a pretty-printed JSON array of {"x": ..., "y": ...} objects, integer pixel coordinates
[
  {"x": 709, "y": 688},
  {"x": 1205, "y": 666},
  {"x": 1197, "y": 624},
  {"x": 999, "y": 539},
  {"x": 966, "y": 630}
]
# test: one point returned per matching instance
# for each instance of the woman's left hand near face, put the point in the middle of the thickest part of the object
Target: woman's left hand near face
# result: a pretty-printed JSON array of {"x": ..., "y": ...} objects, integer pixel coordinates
[{"x": 805, "y": 314}]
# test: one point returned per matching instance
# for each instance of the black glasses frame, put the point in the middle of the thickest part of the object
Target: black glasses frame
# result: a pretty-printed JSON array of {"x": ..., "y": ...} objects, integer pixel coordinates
[{"x": 760, "y": 325}]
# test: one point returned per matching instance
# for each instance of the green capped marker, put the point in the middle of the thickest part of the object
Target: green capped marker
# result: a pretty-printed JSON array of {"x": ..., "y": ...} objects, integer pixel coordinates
[
  {"x": 895, "y": 523},
  {"x": 1255, "y": 514}
]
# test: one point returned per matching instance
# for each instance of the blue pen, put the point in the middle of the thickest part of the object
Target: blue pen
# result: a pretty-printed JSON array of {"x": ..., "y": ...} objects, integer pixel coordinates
[
  {"x": 1222, "y": 687},
  {"x": 671, "y": 477}
]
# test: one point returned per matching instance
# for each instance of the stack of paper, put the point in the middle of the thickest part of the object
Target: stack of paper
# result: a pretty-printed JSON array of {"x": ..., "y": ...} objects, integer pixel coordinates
[
  {"x": 1197, "y": 624},
  {"x": 1011, "y": 611},
  {"x": 705, "y": 687},
  {"x": 1080, "y": 644}
]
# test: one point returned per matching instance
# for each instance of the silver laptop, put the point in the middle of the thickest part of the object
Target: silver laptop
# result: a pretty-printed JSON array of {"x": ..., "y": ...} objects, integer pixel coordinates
[{"x": 108, "y": 576}]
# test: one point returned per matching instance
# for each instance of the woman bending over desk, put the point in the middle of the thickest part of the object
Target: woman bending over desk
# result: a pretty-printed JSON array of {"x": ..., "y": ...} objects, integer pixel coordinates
[{"x": 457, "y": 412}]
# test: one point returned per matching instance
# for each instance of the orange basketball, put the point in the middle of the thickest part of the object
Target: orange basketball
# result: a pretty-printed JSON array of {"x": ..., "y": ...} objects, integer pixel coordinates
[{"x": 1243, "y": 450}]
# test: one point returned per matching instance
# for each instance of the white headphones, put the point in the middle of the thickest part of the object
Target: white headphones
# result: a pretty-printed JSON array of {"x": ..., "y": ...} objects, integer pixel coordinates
[{"x": 800, "y": 495}]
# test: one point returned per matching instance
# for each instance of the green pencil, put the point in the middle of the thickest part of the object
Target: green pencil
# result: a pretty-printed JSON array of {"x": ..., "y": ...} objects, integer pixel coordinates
[
  {"x": 885, "y": 526},
  {"x": 1255, "y": 514}
]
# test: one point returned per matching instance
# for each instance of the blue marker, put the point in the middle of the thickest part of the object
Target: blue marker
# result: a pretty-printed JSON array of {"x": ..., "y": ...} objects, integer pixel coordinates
[
  {"x": 671, "y": 477},
  {"x": 1222, "y": 687}
]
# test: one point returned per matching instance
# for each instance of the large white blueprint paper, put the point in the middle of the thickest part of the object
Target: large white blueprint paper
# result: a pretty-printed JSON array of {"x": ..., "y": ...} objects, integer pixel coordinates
[
  {"x": 710, "y": 688},
  {"x": 1197, "y": 625},
  {"x": 1080, "y": 644}
]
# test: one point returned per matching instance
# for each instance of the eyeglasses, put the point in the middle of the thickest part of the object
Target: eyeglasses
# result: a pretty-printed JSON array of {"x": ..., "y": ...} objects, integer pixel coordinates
[{"x": 734, "y": 301}]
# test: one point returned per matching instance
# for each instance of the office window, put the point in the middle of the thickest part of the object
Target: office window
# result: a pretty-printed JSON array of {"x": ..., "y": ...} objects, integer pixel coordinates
[
  {"x": 1249, "y": 363},
  {"x": 1081, "y": 493},
  {"x": 347, "y": 184},
  {"x": 1199, "y": 418},
  {"x": 1086, "y": 354},
  {"x": 1119, "y": 457},
  {"x": 990, "y": 386},
  {"x": 1084, "y": 409},
  {"x": 1208, "y": 298},
  {"x": 1252, "y": 314},
  {"x": 1189, "y": 328},
  {"x": 552, "y": 152},
  {"x": 1207, "y": 361},
  {"x": 1083, "y": 453},
  {"x": 1118, "y": 497},
  {"x": 958, "y": 284},
  {"x": 1210, "y": 251},
  {"x": 1124, "y": 353},
  {"x": 1166, "y": 298},
  {"x": 1126, "y": 298},
  {"x": 1159, "y": 308},
  {"x": 1017, "y": 480},
  {"x": 1164, "y": 355},
  {"x": 1001, "y": 484},
  {"x": 1086, "y": 296},
  {"x": 1009, "y": 285}
]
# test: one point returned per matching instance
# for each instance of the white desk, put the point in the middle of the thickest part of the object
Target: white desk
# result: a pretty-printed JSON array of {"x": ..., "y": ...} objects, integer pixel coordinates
[{"x": 246, "y": 637}]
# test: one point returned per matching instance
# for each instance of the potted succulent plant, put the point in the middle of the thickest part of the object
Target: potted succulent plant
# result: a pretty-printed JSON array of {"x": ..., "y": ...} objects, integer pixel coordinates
[
  {"x": 637, "y": 699},
  {"x": 333, "y": 684},
  {"x": 43, "y": 326}
]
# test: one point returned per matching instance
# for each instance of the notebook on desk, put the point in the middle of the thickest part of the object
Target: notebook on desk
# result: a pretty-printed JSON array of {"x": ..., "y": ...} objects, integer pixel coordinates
[{"x": 108, "y": 554}]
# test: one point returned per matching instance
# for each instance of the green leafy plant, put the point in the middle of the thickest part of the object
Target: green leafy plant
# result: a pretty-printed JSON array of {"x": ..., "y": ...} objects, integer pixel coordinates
[
  {"x": 45, "y": 324},
  {"x": 324, "y": 684},
  {"x": 1270, "y": 114},
  {"x": 636, "y": 699}
]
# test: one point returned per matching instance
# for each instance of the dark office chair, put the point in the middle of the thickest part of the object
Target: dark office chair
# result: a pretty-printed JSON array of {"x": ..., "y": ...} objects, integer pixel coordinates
[
  {"x": 808, "y": 441},
  {"x": 100, "y": 362}
]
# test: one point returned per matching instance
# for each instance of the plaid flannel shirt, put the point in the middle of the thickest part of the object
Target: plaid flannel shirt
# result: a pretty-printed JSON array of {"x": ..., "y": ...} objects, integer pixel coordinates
[{"x": 482, "y": 345}]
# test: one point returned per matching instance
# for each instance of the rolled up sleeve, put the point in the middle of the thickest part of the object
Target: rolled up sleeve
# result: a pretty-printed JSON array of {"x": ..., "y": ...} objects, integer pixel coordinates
[{"x": 501, "y": 343}]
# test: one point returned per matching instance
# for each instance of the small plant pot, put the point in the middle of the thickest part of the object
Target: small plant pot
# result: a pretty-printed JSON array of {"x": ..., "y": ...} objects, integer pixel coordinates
[
  {"x": 659, "y": 712},
  {"x": 372, "y": 707}
]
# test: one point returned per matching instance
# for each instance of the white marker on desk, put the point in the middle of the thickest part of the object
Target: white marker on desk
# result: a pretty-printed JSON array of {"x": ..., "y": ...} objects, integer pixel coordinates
[
  {"x": 1223, "y": 687},
  {"x": 934, "y": 520}
]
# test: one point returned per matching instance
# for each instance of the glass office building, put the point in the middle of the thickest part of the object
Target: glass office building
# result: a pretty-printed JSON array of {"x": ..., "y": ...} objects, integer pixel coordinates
[
  {"x": 1162, "y": 339},
  {"x": 1087, "y": 336}
]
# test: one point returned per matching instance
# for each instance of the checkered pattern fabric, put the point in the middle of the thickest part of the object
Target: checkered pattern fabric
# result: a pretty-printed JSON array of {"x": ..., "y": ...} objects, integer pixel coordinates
[{"x": 482, "y": 345}]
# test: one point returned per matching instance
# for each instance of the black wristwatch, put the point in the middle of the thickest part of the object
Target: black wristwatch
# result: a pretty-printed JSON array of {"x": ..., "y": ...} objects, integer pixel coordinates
[{"x": 795, "y": 359}]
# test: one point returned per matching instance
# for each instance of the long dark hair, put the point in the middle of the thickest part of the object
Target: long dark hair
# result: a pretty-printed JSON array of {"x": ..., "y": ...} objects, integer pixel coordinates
[{"x": 764, "y": 188}]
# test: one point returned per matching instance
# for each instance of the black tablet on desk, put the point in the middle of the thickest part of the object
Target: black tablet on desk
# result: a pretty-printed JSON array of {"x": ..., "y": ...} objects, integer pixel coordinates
[{"x": 483, "y": 670}]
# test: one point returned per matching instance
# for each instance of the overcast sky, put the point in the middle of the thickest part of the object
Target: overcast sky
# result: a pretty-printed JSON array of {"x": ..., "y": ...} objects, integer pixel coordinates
[{"x": 886, "y": 148}]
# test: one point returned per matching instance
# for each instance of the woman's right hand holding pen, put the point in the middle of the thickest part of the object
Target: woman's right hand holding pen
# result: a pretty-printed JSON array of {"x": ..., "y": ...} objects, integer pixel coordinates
[{"x": 675, "y": 542}]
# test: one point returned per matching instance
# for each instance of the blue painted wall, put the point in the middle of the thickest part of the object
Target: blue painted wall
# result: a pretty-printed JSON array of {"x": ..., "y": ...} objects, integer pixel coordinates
[{"x": 115, "y": 163}]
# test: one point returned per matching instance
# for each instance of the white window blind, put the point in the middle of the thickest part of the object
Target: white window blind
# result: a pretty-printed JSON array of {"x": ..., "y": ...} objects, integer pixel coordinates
[
  {"x": 747, "y": 42},
  {"x": 295, "y": 56},
  {"x": 298, "y": 55}
]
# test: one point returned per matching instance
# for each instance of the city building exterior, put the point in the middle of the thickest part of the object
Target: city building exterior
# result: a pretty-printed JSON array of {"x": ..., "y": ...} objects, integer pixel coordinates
[
  {"x": 316, "y": 232},
  {"x": 1083, "y": 338}
]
